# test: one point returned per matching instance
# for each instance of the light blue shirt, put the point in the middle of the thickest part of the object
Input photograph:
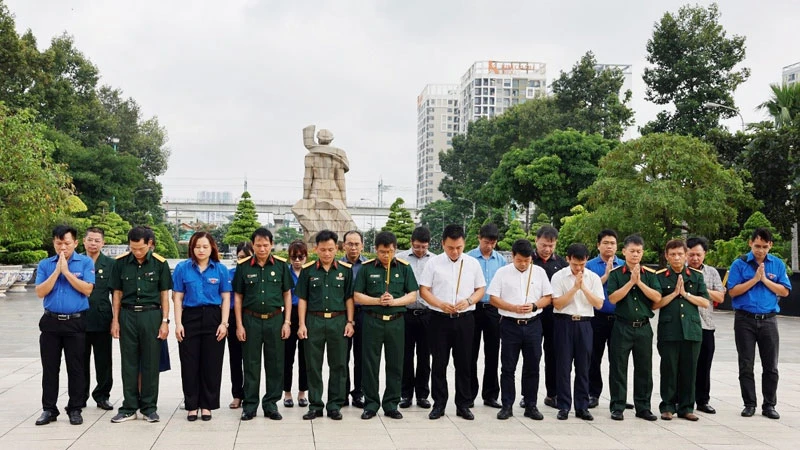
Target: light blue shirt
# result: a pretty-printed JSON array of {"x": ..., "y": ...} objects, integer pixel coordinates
[
  {"x": 489, "y": 266},
  {"x": 63, "y": 298}
]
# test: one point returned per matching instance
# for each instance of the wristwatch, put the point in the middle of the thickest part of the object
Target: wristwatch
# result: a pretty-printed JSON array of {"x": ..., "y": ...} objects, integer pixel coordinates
[
  {"x": 165, "y": 321},
  {"x": 352, "y": 322}
]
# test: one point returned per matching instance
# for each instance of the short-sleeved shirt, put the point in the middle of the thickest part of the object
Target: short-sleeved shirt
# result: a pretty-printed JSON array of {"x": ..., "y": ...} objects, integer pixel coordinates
[
  {"x": 680, "y": 319},
  {"x": 563, "y": 280},
  {"x": 713, "y": 283},
  {"x": 418, "y": 266},
  {"x": 262, "y": 287},
  {"x": 371, "y": 281},
  {"x": 354, "y": 266},
  {"x": 325, "y": 290},
  {"x": 231, "y": 273},
  {"x": 63, "y": 298},
  {"x": 635, "y": 306},
  {"x": 141, "y": 283},
  {"x": 98, "y": 317},
  {"x": 553, "y": 264},
  {"x": 441, "y": 275},
  {"x": 519, "y": 288},
  {"x": 201, "y": 288},
  {"x": 758, "y": 299},
  {"x": 598, "y": 266},
  {"x": 489, "y": 266},
  {"x": 295, "y": 276}
]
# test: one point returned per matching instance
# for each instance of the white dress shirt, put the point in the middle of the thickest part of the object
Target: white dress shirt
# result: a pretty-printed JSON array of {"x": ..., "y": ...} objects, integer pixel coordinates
[
  {"x": 511, "y": 285},
  {"x": 442, "y": 275},
  {"x": 564, "y": 280},
  {"x": 417, "y": 266}
]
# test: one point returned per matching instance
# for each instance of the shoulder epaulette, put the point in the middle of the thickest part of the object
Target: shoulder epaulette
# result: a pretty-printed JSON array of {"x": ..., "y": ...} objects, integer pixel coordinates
[
  {"x": 368, "y": 261},
  {"x": 346, "y": 264},
  {"x": 696, "y": 270},
  {"x": 648, "y": 269},
  {"x": 309, "y": 264},
  {"x": 244, "y": 259},
  {"x": 279, "y": 258},
  {"x": 159, "y": 257},
  {"x": 662, "y": 270},
  {"x": 402, "y": 261},
  {"x": 123, "y": 255},
  {"x": 618, "y": 267}
]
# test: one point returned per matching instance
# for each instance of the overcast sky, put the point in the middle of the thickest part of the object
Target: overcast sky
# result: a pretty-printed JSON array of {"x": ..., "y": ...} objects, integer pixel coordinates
[{"x": 234, "y": 82}]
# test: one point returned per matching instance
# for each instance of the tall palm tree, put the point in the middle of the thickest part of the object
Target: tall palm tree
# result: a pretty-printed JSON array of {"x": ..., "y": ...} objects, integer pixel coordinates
[{"x": 784, "y": 105}]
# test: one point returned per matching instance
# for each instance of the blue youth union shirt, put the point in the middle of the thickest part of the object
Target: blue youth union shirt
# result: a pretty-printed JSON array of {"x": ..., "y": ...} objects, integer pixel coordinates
[
  {"x": 201, "y": 288},
  {"x": 598, "y": 266},
  {"x": 758, "y": 299},
  {"x": 64, "y": 299}
]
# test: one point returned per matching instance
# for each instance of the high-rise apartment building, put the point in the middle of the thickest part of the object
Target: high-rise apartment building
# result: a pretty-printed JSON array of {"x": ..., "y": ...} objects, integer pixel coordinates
[
  {"x": 437, "y": 122},
  {"x": 791, "y": 74},
  {"x": 212, "y": 217}
]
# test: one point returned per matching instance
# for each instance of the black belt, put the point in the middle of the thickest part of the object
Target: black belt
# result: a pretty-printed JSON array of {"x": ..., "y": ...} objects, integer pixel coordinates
[
  {"x": 572, "y": 317},
  {"x": 417, "y": 311},
  {"x": 517, "y": 321},
  {"x": 384, "y": 317},
  {"x": 484, "y": 305},
  {"x": 602, "y": 315},
  {"x": 262, "y": 316},
  {"x": 326, "y": 315},
  {"x": 634, "y": 323},
  {"x": 62, "y": 316},
  {"x": 756, "y": 316},
  {"x": 139, "y": 308},
  {"x": 453, "y": 316}
]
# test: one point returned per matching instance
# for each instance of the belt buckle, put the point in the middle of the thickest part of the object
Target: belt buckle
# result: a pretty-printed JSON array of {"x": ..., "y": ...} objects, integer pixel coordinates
[
  {"x": 522, "y": 321},
  {"x": 386, "y": 318},
  {"x": 264, "y": 316},
  {"x": 62, "y": 316},
  {"x": 138, "y": 308},
  {"x": 327, "y": 315},
  {"x": 637, "y": 324},
  {"x": 759, "y": 316},
  {"x": 453, "y": 316},
  {"x": 576, "y": 318}
]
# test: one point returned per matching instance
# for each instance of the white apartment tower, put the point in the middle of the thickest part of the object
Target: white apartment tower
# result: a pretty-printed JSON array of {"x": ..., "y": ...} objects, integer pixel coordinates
[
  {"x": 437, "y": 122},
  {"x": 791, "y": 74}
]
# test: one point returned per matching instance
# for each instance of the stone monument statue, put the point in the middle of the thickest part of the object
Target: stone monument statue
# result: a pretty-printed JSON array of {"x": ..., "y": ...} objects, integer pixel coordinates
[{"x": 324, "y": 205}]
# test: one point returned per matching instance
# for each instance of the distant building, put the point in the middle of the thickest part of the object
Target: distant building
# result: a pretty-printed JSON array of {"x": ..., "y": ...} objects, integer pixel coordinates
[
  {"x": 216, "y": 218},
  {"x": 791, "y": 74},
  {"x": 438, "y": 117}
]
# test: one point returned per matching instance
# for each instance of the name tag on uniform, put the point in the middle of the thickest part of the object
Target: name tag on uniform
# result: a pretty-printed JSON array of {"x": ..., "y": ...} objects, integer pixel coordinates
[
  {"x": 149, "y": 274},
  {"x": 375, "y": 275},
  {"x": 340, "y": 276},
  {"x": 213, "y": 280},
  {"x": 314, "y": 278},
  {"x": 252, "y": 275}
]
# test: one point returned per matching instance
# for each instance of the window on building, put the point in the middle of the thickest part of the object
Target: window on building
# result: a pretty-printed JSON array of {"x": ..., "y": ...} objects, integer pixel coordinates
[
  {"x": 507, "y": 82},
  {"x": 530, "y": 92}
]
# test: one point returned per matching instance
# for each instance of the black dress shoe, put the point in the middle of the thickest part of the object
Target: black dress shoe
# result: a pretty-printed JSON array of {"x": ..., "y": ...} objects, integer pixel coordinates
[
  {"x": 358, "y": 402},
  {"x": 629, "y": 406},
  {"x": 404, "y": 402},
  {"x": 533, "y": 413},
  {"x": 105, "y": 404},
  {"x": 274, "y": 415},
  {"x": 346, "y": 401},
  {"x": 646, "y": 415},
  {"x": 75, "y": 417},
  {"x": 593, "y": 402},
  {"x": 333, "y": 414},
  {"x": 617, "y": 415},
  {"x": 436, "y": 413},
  {"x": 205, "y": 417},
  {"x": 312, "y": 415},
  {"x": 46, "y": 418},
  {"x": 289, "y": 403},
  {"x": 191, "y": 417},
  {"x": 767, "y": 412},
  {"x": 248, "y": 415},
  {"x": 465, "y": 413},
  {"x": 550, "y": 401},
  {"x": 393, "y": 414},
  {"x": 748, "y": 411},
  {"x": 367, "y": 414},
  {"x": 522, "y": 403},
  {"x": 563, "y": 414},
  {"x": 505, "y": 413},
  {"x": 423, "y": 403},
  {"x": 471, "y": 405},
  {"x": 492, "y": 404},
  {"x": 583, "y": 414},
  {"x": 706, "y": 408},
  {"x": 302, "y": 402}
]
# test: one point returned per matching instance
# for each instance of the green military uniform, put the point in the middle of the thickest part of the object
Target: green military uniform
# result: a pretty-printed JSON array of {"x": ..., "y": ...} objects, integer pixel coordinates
[
  {"x": 139, "y": 320},
  {"x": 384, "y": 326},
  {"x": 679, "y": 336},
  {"x": 326, "y": 294},
  {"x": 631, "y": 333},
  {"x": 98, "y": 331},
  {"x": 262, "y": 289}
]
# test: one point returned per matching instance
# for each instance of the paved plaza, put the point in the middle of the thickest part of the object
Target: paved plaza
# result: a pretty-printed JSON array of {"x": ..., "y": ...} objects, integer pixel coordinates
[{"x": 20, "y": 405}]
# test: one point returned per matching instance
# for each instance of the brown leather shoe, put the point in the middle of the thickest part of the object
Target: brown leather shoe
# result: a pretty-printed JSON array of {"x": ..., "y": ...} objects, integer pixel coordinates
[
  {"x": 666, "y": 415},
  {"x": 689, "y": 416}
]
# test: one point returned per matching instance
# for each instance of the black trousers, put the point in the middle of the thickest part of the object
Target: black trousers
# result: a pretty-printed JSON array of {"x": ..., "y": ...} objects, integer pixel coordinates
[
  {"x": 549, "y": 348},
  {"x": 602, "y": 324},
  {"x": 487, "y": 323},
  {"x": 355, "y": 348},
  {"x": 528, "y": 340},
  {"x": 416, "y": 380},
  {"x": 702, "y": 392},
  {"x": 69, "y": 337},
  {"x": 201, "y": 357},
  {"x": 292, "y": 344},
  {"x": 100, "y": 342},
  {"x": 448, "y": 335},
  {"x": 574, "y": 342},
  {"x": 748, "y": 333},
  {"x": 235, "y": 359}
]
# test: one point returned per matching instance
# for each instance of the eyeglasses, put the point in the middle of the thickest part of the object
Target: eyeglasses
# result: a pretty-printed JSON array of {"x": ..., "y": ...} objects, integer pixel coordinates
[{"x": 297, "y": 257}]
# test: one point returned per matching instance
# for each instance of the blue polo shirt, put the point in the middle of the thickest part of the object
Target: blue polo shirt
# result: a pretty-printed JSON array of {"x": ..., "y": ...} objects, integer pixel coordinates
[
  {"x": 356, "y": 266},
  {"x": 295, "y": 298},
  {"x": 232, "y": 272},
  {"x": 201, "y": 288},
  {"x": 598, "y": 266},
  {"x": 489, "y": 266},
  {"x": 63, "y": 298},
  {"x": 758, "y": 299}
]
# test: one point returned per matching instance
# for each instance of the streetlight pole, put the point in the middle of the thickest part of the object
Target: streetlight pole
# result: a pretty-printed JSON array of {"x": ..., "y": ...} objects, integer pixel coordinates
[{"x": 719, "y": 105}]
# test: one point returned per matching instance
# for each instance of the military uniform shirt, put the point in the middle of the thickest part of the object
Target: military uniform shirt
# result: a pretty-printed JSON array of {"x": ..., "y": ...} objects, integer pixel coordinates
[
  {"x": 680, "y": 320},
  {"x": 141, "y": 283},
  {"x": 98, "y": 317},
  {"x": 635, "y": 306},
  {"x": 63, "y": 298},
  {"x": 262, "y": 288},
  {"x": 325, "y": 291},
  {"x": 371, "y": 281}
]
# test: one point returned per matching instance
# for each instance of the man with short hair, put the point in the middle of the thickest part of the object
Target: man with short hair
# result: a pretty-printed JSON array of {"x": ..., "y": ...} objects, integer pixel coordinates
[
  {"x": 63, "y": 282},
  {"x": 576, "y": 292},
  {"x": 487, "y": 320},
  {"x": 451, "y": 284},
  {"x": 698, "y": 246},
  {"x": 520, "y": 291},
  {"x": 263, "y": 308},
  {"x": 417, "y": 321},
  {"x": 756, "y": 281},
  {"x": 383, "y": 288},
  {"x": 98, "y": 321},
  {"x": 141, "y": 281},
  {"x": 325, "y": 314},
  {"x": 353, "y": 246}
]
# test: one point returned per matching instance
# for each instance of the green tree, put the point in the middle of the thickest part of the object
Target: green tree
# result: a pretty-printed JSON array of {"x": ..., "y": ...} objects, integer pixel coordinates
[
  {"x": 436, "y": 215},
  {"x": 245, "y": 221},
  {"x": 114, "y": 227},
  {"x": 165, "y": 243},
  {"x": 784, "y": 104},
  {"x": 662, "y": 185},
  {"x": 400, "y": 223},
  {"x": 693, "y": 62},
  {"x": 513, "y": 233},
  {"x": 725, "y": 251},
  {"x": 286, "y": 235}
]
